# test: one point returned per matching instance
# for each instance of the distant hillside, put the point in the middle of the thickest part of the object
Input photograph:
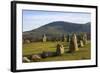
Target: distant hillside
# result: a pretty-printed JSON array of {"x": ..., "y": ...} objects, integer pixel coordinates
[{"x": 58, "y": 28}]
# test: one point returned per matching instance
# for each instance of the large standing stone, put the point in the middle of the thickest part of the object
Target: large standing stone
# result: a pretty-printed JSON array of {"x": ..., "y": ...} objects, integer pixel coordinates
[
  {"x": 73, "y": 46},
  {"x": 60, "y": 49},
  {"x": 44, "y": 38}
]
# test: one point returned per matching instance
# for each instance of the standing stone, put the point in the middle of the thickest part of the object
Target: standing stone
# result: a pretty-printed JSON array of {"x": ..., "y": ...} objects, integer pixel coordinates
[
  {"x": 64, "y": 39},
  {"x": 44, "y": 38},
  {"x": 84, "y": 38},
  {"x": 81, "y": 43},
  {"x": 60, "y": 49},
  {"x": 73, "y": 46},
  {"x": 80, "y": 40}
]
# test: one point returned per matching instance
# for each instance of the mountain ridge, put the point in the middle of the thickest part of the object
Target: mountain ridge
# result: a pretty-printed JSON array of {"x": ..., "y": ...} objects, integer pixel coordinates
[{"x": 59, "y": 28}]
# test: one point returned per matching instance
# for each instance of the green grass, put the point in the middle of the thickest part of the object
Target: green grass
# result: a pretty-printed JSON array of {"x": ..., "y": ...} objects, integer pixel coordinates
[{"x": 39, "y": 47}]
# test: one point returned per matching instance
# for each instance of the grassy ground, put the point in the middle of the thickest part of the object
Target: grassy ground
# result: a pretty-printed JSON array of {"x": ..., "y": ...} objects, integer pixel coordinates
[{"x": 39, "y": 47}]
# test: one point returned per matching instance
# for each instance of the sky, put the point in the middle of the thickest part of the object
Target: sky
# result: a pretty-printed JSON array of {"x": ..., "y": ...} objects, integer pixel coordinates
[{"x": 33, "y": 19}]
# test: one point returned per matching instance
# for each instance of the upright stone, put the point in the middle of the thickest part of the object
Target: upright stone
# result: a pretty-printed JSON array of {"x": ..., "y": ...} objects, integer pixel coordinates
[
  {"x": 80, "y": 40},
  {"x": 84, "y": 38},
  {"x": 64, "y": 38},
  {"x": 81, "y": 43},
  {"x": 44, "y": 38},
  {"x": 60, "y": 49},
  {"x": 73, "y": 46}
]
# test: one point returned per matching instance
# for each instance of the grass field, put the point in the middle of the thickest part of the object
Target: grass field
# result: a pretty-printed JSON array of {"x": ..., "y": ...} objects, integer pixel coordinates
[{"x": 39, "y": 47}]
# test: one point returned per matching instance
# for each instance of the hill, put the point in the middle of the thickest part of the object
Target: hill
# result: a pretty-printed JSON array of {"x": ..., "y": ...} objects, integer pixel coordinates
[{"x": 58, "y": 28}]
